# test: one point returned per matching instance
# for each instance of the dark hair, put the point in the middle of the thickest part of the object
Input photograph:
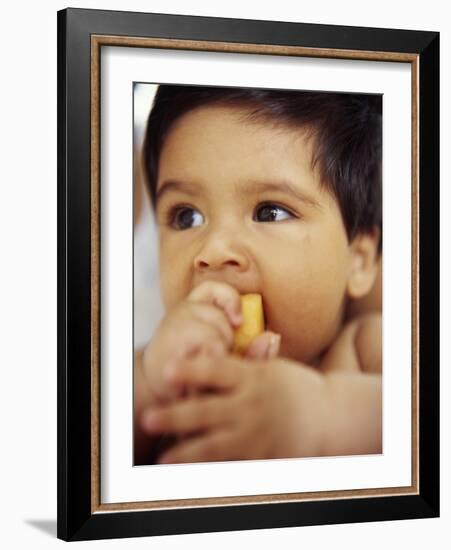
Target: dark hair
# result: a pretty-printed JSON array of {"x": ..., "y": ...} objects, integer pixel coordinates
[{"x": 346, "y": 128}]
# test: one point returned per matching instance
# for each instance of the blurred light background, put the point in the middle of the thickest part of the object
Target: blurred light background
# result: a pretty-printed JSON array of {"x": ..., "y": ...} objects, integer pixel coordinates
[{"x": 148, "y": 308}]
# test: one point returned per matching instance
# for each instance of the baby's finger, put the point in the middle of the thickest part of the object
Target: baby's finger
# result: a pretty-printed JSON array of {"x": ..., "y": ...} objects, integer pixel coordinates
[
  {"x": 264, "y": 346},
  {"x": 213, "y": 317},
  {"x": 222, "y": 373},
  {"x": 214, "y": 348},
  {"x": 205, "y": 342},
  {"x": 221, "y": 295},
  {"x": 188, "y": 416}
]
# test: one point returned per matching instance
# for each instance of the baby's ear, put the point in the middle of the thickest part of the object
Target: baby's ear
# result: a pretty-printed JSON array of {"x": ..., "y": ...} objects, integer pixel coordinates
[{"x": 363, "y": 263}]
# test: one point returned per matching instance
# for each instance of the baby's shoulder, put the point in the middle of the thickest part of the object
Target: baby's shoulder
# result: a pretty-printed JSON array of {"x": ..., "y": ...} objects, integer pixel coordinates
[
  {"x": 368, "y": 342},
  {"x": 358, "y": 346}
]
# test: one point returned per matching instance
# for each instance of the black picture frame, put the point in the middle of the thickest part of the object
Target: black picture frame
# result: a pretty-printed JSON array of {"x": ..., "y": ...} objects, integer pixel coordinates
[{"x": 80, "y": 516}]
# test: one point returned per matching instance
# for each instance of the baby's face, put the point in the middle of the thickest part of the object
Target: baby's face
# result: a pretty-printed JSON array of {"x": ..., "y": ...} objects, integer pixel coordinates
[{"x": 238, "y": 202}]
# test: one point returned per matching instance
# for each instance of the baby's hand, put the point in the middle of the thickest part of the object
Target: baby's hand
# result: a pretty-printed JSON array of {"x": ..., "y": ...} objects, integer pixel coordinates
[
  {"x": 202, "y": 324},
  {"x": 260, "y": 410}
]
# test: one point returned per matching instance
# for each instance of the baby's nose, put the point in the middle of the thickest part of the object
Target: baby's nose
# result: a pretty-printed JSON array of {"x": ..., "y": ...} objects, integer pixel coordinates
[
  {"x": 219, "y": 253},
  {"x": 213, "y": 263}
]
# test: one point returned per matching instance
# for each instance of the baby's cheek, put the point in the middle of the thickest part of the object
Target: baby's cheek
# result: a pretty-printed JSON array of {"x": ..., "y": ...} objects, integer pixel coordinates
[
  {"x": 175, "y": 272},
  {"x": 170, "y": 288},
  {"x": 305, "y": 318},
  {"x": 284, "y": 314}
]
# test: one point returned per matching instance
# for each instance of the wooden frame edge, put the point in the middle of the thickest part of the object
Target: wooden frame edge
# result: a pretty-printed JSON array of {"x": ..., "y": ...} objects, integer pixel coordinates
[{"x": 234, "y": 47}]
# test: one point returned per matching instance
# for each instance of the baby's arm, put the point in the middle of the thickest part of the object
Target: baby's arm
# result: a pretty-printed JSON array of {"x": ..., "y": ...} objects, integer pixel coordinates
[
  {"x": 354, "y": 424},
  {"x": 276, "y": 408},
  {"x": 352, "y": 369}
]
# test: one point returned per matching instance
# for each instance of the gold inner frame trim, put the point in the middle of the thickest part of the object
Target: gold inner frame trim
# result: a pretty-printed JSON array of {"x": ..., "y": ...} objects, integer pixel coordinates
[
  {"x": 97, "y": 41},
  {"x": 231, "y": 47}
]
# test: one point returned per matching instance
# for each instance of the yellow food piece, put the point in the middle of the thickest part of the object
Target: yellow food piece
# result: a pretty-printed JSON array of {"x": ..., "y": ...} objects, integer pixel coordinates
[{"x": 253, "y": 322}]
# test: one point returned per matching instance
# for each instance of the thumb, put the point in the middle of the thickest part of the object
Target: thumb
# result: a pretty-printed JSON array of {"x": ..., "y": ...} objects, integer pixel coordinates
[{"x": 264, "y": 346}]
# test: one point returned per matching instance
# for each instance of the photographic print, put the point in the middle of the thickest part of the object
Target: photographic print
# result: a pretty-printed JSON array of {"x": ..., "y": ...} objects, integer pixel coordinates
[{"x": 264, "y": 204}]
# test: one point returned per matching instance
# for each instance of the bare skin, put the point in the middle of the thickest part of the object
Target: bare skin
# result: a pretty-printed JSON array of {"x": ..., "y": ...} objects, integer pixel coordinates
[
  {"x": 241, "y": 403},
  {"x": 371, "y": 302},
  {"x": 204, "y": 325},
  {"x": 215, "y": 234}
]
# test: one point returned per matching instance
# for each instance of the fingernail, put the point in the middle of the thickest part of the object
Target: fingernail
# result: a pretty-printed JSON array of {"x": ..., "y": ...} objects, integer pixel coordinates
[{"x": 274, "y": 344}]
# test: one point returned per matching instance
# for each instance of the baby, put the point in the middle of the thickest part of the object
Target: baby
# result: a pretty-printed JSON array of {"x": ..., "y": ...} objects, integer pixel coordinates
[{"x": 276, "y": 193}]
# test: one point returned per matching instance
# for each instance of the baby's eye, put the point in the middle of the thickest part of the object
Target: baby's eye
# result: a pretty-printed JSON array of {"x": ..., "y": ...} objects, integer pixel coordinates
[
  {"x": 186, "y": 217},
  {"x": 271, "y": 212}
]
